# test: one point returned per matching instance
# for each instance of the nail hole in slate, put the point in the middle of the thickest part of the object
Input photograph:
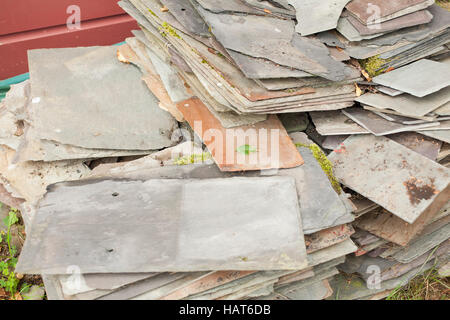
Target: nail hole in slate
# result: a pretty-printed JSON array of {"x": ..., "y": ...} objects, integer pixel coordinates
[
  {"x": 115, "y": 194},
  {"x": 110, "y": 250}
]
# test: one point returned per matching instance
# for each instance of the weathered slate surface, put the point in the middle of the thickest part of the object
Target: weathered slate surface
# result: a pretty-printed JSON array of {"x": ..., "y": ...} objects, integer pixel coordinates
[
  {"x": 272, "y": 147},
  {"x": 391, "y": 175},
  {"x": 389, "y": 268},
  {"x": 328, "y": 237},
  {"x": 185, "y": 13},
  {"x": 70, "y": 105},
  {"x": 422, "y": 245},
  {"x": 99, "y": 281},
  {"x": 112, "y": 221},
  {"x": 410, "y": 20},
  {"x": 419, "y": 79},
  {"x": 386, "y": 225},
  {"x": 274, "y": 39},
  {"x": 426, "y": 146},
  {"x": 443, "y": 135},
  {"x": 209, "y": 281},
  {"x": 363, "y": 9}
]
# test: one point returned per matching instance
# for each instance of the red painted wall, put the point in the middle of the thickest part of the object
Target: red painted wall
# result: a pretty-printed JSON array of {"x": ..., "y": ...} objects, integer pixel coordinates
[{"x": 34, "y": 24}]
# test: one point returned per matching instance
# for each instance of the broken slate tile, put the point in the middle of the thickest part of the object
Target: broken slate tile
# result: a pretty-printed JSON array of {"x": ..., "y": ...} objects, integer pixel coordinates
[
  {"x": 391, "y": 175},
  {"x": 314, "y": 17},
  {"x": 419, "y": 79},
  {"x": 190, "y": 235},
  {"x": 333, "y": 123}
]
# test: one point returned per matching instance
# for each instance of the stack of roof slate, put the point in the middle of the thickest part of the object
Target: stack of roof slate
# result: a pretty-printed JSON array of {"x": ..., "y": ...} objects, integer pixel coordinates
[
  {"x": 134, "y": 190},
  {"x": 103, "y": 235}
]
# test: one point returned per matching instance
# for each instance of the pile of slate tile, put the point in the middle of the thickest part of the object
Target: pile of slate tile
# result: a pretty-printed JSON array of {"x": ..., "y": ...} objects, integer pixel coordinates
[{"x": 190, "y": 162}]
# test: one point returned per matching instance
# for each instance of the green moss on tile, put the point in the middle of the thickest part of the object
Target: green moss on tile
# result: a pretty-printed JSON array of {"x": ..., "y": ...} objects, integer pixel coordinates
[{"x": 325, "y": 164}]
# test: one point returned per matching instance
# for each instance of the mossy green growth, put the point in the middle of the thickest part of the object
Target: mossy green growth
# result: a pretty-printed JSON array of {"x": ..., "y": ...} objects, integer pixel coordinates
[
  {"x": 193, "y": 158},
  {"x": 170, "y": 30},
  {"x": 325, "y": 164},
  {"x": 154, "y": 14},
  {"x": 374, "y": 65}
]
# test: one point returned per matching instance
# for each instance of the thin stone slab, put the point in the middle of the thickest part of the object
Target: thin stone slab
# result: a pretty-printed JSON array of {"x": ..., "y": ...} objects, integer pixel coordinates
[
  {"x": 351, "y": 33},
  {"x": 402, "y": 119},
  {"x": 29, "y": 180},
  {"x": 236, "y": 6},
  {"x": 346, "y": 288},
  {"x": 444, "y": 110},
  {"x": 389, "y": 91},
  {"x": 206, "y": 282},
  {"x": 391, "y": 175},
  {"x": 100, "y": 281},
  {"x": 95, "y": 237},
  {"x": 443, "y": 135},
  {"x": 427, "y": 147},
  {"x": 272, "y": 147},
  {"x": 333, "y": 123},
  {"x": 318, "y": 212},
  {"x": 412, "y": 37},
  {"x": 70, "y": 105},
  {"x": 410, "y": 20},
  {"x": 314, "y": 17},
  {"x": 185, "y": 13},
  {"x": 406, "y": 104},
  {"x": 386, "y": 225},
  {"x": 328, "y": 237},
  {"x": 274, "y": 39},
  {"x": 422, "y": 245},
  {"x": 257, "y": 68},
  {"x": 419, "y": 79},
  {"x": 378, "y": 125},
  {"x": 364, "y": 10},
  {"x": 389, "y": 268}
]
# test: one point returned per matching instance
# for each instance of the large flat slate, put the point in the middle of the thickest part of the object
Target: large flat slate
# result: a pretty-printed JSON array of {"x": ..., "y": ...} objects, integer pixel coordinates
[
  {"x": 85, "y": 97},
  {"x": 419, "y": 79},
  {"x": 119, "y": 226},
  {"x": 391, "y": 175},
  {"x": 406, "y": 104}
]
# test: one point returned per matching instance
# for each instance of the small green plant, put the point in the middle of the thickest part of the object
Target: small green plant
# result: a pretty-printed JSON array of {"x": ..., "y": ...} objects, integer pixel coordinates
[
  {"x": 246, "y": 149},
  {"x": 8, "y": 279}
]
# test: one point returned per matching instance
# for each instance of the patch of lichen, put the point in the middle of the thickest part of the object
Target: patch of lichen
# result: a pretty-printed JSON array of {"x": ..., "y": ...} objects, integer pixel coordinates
[
  {"x": 154, "y": 14},
  {"x": 374, "y": 65},
  {"x": 169, "y": 29},
  {"x": 325, "y": 164},
  {"x": 193, "y": 158}
]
